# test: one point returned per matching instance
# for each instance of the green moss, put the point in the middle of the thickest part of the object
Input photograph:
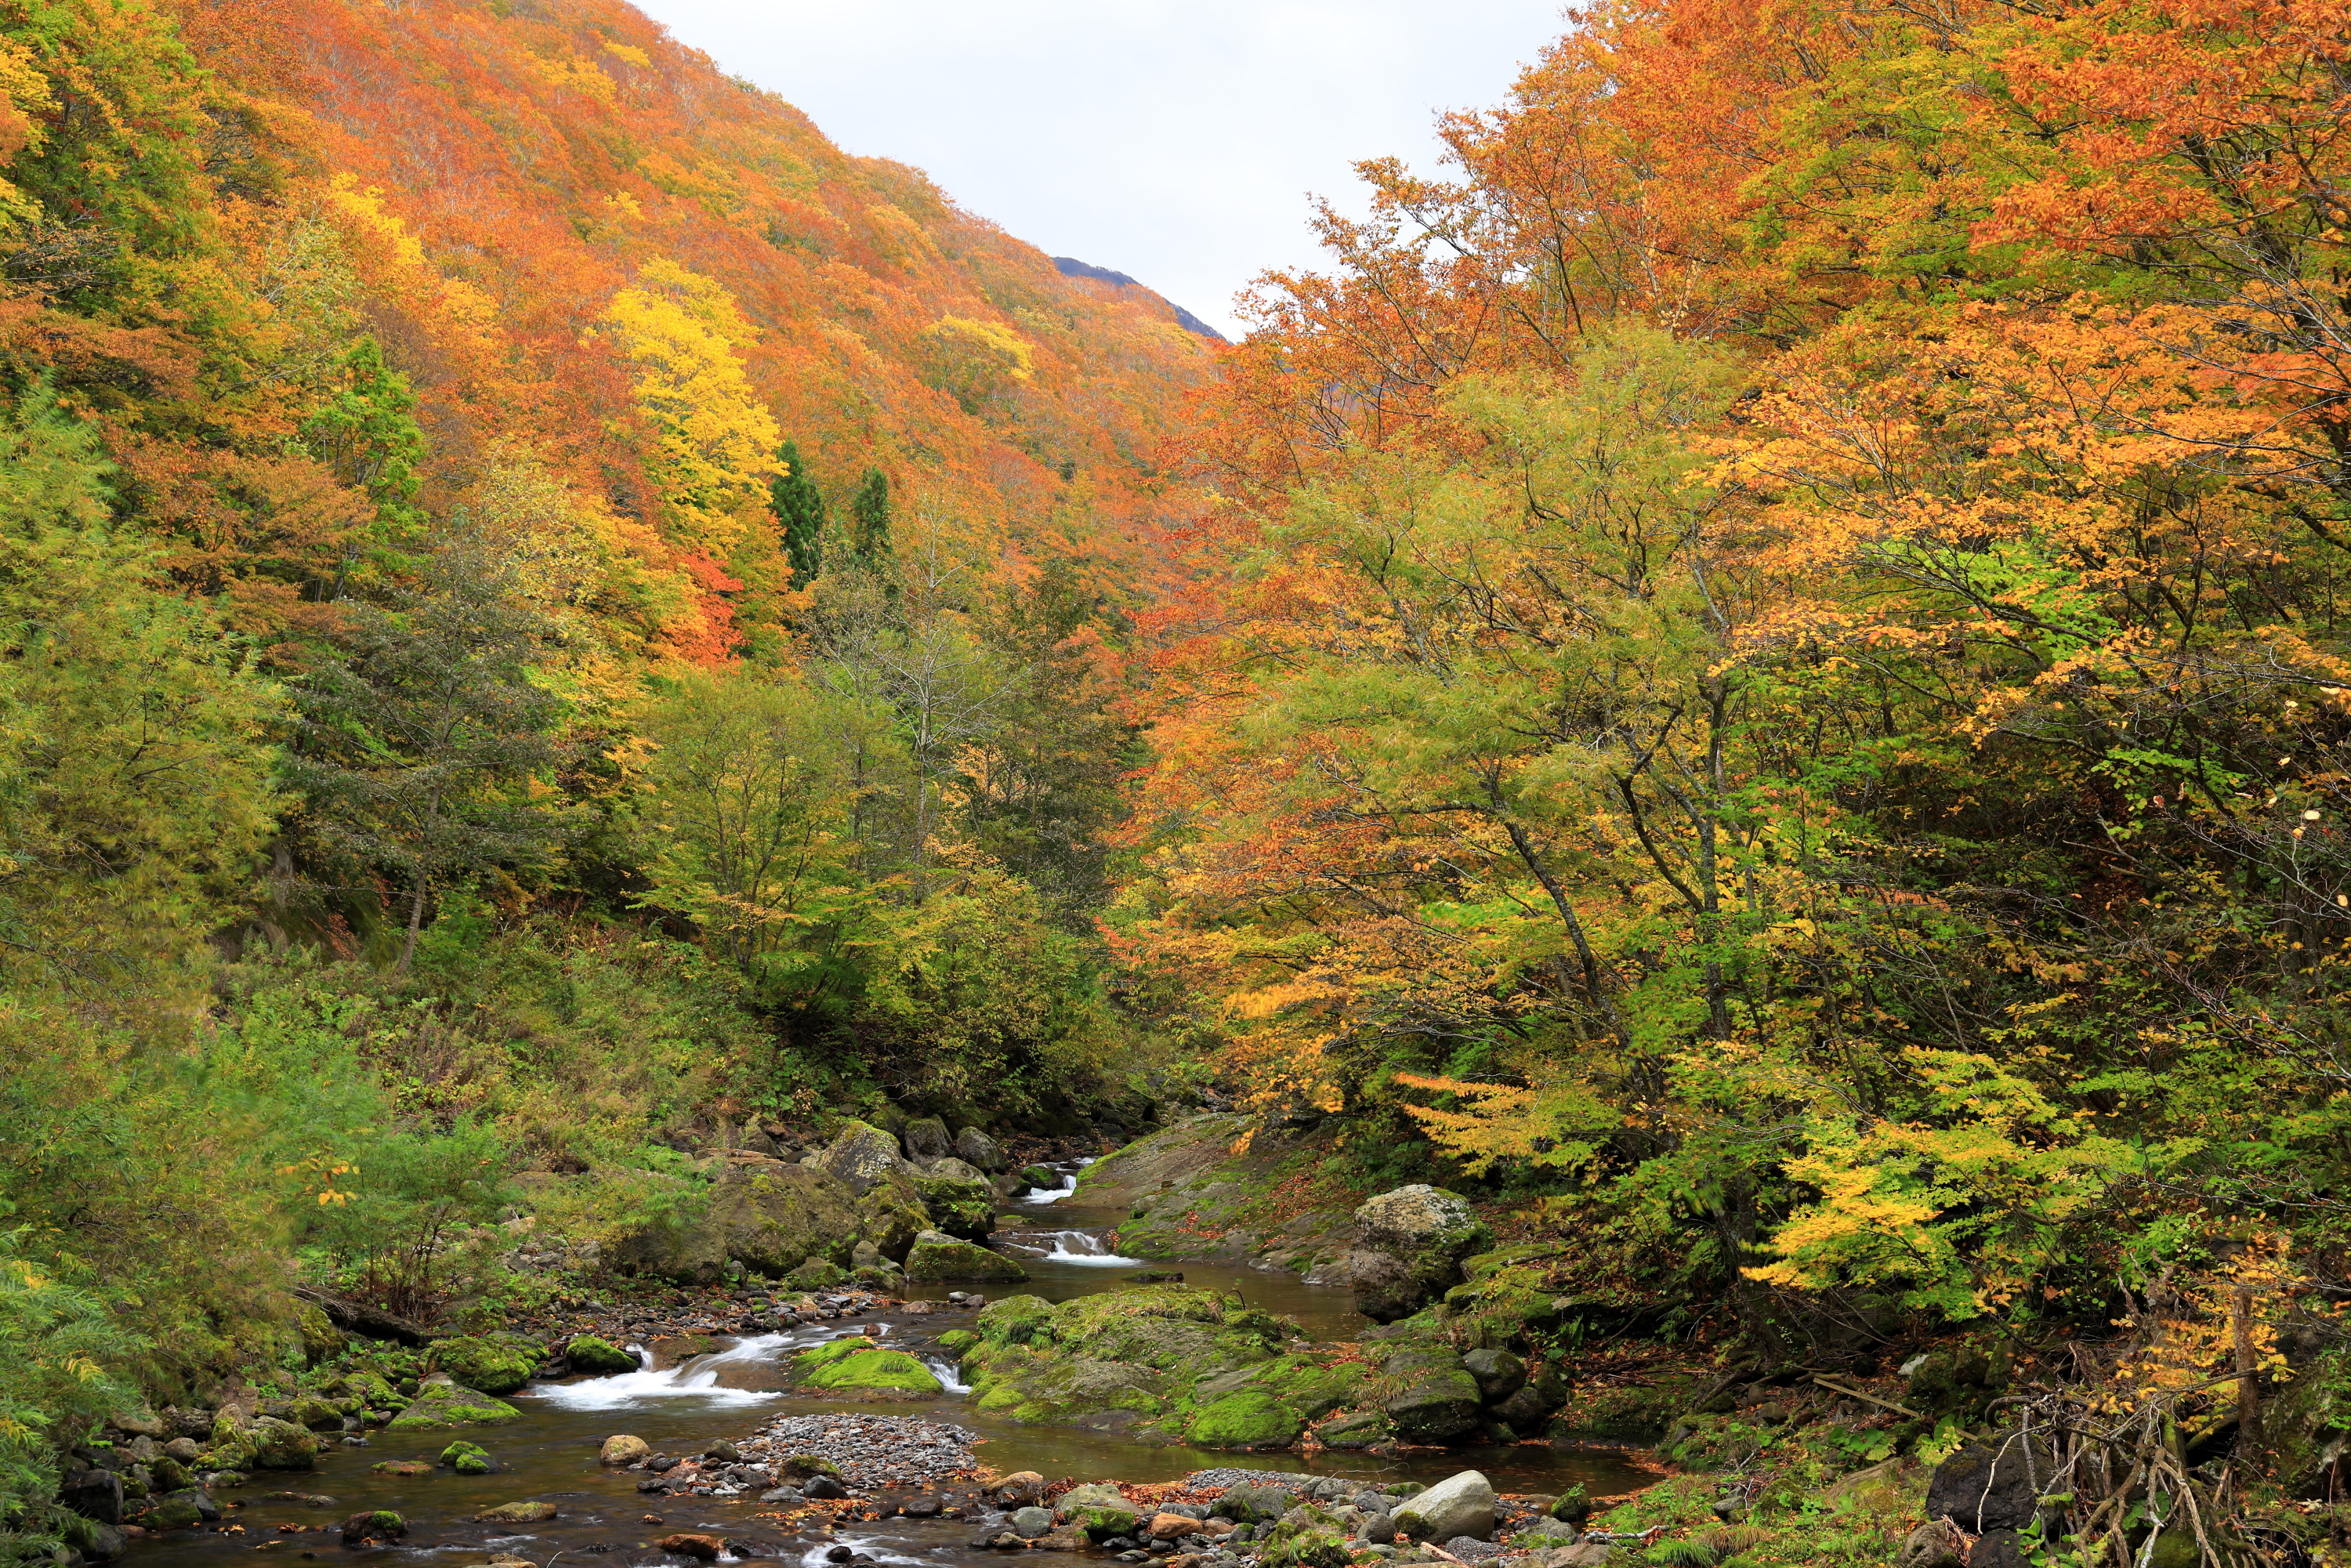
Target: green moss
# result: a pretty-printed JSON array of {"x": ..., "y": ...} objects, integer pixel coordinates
[
  {"x": 600, "y": 1356},
  {"x": 958, "y": 1206},
  {"x": 466, "y": 1458},
  {"x": 494, "y": 1365},
  {"x": 814, "y": 1273},
  {"x": 1017, "y": 1320},
  {"x": 1249, "y": 1420},
  {"x": 867, "y": 1368},
  {"x": 955, "y": 1342},
  {"x": 950, "y": 1260},
  {"x": 439, "y": 1405}
]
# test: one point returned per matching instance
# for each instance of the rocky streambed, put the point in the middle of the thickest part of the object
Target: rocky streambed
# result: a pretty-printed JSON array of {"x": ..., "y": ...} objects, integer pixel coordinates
[{"x": 839, "y": 1427}]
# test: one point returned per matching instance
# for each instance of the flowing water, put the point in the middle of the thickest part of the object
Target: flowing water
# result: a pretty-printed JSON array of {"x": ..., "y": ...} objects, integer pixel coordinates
[{"x": 550, "y": 1454}]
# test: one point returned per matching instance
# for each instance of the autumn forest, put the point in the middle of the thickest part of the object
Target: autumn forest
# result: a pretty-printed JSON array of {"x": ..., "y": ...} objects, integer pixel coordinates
[{"x": 1752, "y": 680}]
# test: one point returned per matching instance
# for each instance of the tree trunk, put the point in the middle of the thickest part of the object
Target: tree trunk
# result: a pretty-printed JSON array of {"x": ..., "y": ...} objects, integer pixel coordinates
[{"x": 416, "y": 921}]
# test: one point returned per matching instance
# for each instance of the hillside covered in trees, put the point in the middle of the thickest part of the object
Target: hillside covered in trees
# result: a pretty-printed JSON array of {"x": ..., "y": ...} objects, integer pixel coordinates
[{"x": 1753, "y": 684}]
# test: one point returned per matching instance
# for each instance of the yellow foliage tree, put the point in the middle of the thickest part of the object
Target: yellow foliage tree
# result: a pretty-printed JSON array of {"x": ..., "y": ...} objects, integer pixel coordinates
[{"x": 718, "y": 440}]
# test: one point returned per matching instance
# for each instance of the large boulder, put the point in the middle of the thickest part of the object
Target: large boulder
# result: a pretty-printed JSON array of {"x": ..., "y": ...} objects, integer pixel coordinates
[
  {"x": 976, "y": 1148},
  {"x": 960, "y": 1207},
  {"x": 934, "y": 1257},
  {"x": 1993, "y": 1486},
  {"x": 952, "y": 1169},
  {"x": 890, "y": 1213},
  {"x": 762, "y": 1214},
  {"x": 1099, "y": 1509},
  {"x": 1412, "y": 1241},
  {"x": 276, "y": 1444},
  {"x": 1459, "y": 1505},
  {"x": 94, "y": 1494},
  {"x": 1499, "y": 1374},
  {"x": 1428, "y": 1397},
  {"x": 496, "y": 1365},
  {"x": 622, "y": 1450},
  {"x": 859, "y": 1156},
  {"x": 925, "y": 1138}
]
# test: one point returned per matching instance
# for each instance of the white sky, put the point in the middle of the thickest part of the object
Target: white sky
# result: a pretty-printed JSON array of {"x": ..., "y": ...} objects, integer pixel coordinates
[{"x": 1175, "y": 141}]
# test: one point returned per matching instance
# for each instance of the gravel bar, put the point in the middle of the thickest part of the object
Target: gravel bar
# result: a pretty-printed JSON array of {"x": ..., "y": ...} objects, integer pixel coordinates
[{"x": 874, "y": 1450}]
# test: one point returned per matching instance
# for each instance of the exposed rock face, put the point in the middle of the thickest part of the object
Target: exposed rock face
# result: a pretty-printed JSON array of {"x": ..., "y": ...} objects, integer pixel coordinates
[
  {"x": 1459, "y": 1505},
  {"x": 1414, "y": 1240},
  {"x": 762, "y": 1214},
  {"x": 1984, "y": 1488},
  {"x": 93, "y": 1494}
]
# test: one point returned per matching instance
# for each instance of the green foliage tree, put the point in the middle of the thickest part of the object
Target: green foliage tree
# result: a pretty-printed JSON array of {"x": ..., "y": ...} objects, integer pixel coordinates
[
  {"x": 366, "y": 431},
  {"x": 134, "y": 766},
  {"x": 60, "y": 1347},
  {"x": 426, "y": 747}
]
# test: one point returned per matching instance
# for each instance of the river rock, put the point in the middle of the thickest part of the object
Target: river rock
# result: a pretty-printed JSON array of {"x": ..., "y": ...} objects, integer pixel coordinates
[
  {"x": 466, "y": 1458},
  {"x": 823, "y": 1489},
  {"x": 1032, "y": 1522},
  {"x": 494, "y": 1363},
  {"x": 1499, "y": 1374},
  {"x": 961, "y": 1207},
  {"x": 1255, "y": 1502},
  {"x": 1172, "y": 1526},
  {"x": 276, "y": 1444},
  {"x": 1100, "y": 1510},
  {"x": 621, "y": 1450},
  {"x": 442, "y": 1403},
  {"x": 925, "y": 1138},
  {"x": 706, "y": 1548},
  {"x": 1460, "y": 1504},
  {"x": 402, "y": 1470},
  {"x": 93, "y": 1494},
  {"x": 976, "y": 1149},
  {"x": 1984, "y": 1488},
  {"x": 1020, "y": 1488},
  {"x": 528, "y": 1513},
  {"x": 374, "y": 1525},
  {"x": 935, "y": 1257},
  {"x": 1428, "y": 1395}
]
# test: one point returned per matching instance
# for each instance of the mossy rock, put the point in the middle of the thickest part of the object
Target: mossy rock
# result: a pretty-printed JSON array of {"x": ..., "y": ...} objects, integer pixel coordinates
[
  {"x": 1045, "y": 1178},
  {"x": 1250, "y": 1418},
  {"x": 466, "y": 1458},
  {"x": 442, "y": 1405},
  {"x": 946, "y": 1258},
  {"x": 406, "y": 1470},
  {"x": 955, "y": 1342},
  {"x": 859, "y": 1365},
  {"x": 1355, "y": 1431},
  {"x": 815, "y": 1274},
  {"x": 1428, "y": 1395},
  {"x": 276, "y": 1444},
  {"x": 1017, "y": 1320},
  {"x": 495, "y": 1365},
  {"x": 599, "y": 1356},
  {"x": 1309, "y": 1539},
  {"x": 958, "y": 1206}
]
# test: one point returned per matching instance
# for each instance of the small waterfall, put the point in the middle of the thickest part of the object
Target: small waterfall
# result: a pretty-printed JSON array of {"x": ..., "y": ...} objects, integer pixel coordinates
[
  {"x": 1069, "y": 1184},
  {"x": 1085, "y": 1247},
  {"x": 949, "y": 1374},
  {"x": 696, "y": 1378}
]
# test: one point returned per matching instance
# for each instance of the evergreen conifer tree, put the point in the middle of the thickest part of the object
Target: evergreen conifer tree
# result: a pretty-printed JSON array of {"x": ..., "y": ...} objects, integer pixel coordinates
[{"x": 798, "y": 507}]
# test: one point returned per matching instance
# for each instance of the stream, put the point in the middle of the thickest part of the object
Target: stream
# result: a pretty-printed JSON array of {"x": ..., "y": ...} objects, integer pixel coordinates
[{"x": 552, "y": 1453}]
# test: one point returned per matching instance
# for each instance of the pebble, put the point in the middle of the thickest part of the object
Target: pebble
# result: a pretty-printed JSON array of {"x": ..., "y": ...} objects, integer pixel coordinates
[{"x": 876, "y": 1451}]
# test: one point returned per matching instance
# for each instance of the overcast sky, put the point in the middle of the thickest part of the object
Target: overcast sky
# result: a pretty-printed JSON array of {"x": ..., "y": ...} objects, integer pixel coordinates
[{"x": 1176, "y": 140}]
